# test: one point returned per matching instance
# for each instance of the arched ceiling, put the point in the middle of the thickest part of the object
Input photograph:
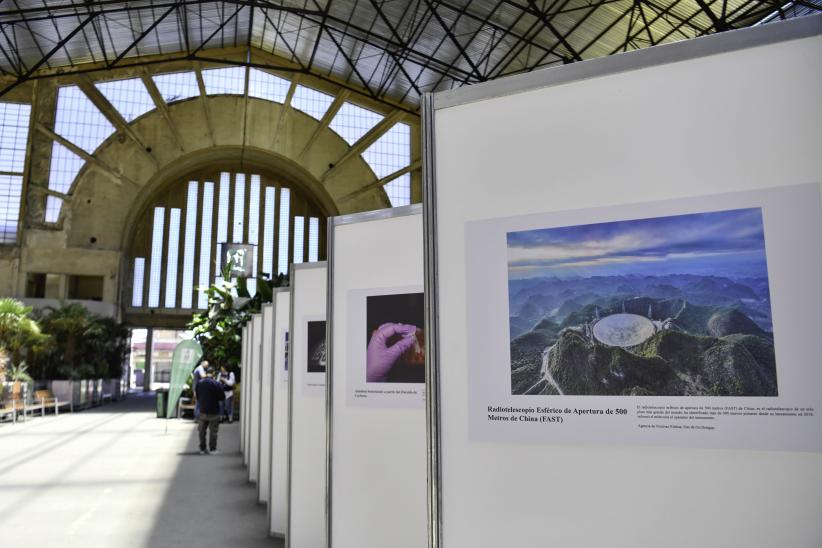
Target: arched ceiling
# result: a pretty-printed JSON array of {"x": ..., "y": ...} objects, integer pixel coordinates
[{"x": 393, "y": 49}]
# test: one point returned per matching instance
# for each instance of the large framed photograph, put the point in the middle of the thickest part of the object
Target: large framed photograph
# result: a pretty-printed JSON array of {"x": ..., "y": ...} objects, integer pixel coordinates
[
  {"x": 662, "y": 306},
  {"x": 685, "y": 321}
]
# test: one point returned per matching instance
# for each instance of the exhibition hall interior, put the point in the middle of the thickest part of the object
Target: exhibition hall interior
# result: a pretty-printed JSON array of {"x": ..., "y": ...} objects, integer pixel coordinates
[{"x": 410, "y": 273}]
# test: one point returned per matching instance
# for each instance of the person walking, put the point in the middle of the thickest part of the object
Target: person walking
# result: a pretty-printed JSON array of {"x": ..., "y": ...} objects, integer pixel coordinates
[
  {"x": 227, "y": 381},
  {"x": 209, "y": 395},
  {"x": 198, "y": 374}
]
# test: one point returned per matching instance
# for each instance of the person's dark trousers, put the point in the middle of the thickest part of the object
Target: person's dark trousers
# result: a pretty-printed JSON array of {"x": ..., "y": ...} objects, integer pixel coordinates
[
  {"x": 229, "y": 408},
  {"x": 212, "y": 424}
]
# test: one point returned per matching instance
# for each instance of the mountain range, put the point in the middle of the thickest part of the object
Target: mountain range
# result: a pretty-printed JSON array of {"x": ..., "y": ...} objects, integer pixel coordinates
[{"x": 716, "y": 338}]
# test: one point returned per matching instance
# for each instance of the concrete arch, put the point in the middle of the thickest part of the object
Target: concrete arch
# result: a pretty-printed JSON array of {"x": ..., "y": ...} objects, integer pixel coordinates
[{"x": 222, "y": 130}]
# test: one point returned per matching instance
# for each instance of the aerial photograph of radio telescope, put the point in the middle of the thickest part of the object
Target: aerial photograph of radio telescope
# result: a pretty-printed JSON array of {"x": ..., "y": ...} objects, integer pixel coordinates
[{"x": 665, "y": 306}]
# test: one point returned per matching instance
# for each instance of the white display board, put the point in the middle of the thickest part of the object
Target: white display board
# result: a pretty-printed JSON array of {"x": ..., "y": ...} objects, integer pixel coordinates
[
  {"x": 278, "y": 504},
  {"x": 266, "y": 396},
  {"x": 377, "y": 487},
  {"x": 243, "y": 361},
  {"x": 572, "y": 168},
  {"x": 305, "y": 526},
  {"x": 245, "y": 379},
  {"x": 253, "y": 392}
]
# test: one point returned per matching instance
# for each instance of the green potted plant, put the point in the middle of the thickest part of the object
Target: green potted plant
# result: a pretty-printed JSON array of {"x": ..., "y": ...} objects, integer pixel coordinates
[{"x": 19, "y": 335}]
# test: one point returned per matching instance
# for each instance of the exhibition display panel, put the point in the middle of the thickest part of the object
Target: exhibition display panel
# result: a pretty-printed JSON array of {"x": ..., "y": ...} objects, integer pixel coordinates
[
  {"x": 253, "y": 393},
  {"x": 376, "y": 380},
  {"x": 248, "y": 383},
  {"x": 278, "y": 502},
  {"x": 266, "y": 395},
  {"x": 305, "y": 526},
  {"x": 622, "y": 313},
  {"x": 243, "y": 414}
]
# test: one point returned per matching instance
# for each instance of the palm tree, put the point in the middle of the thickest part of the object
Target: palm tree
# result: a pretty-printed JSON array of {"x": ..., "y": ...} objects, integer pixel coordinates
[
  {"x": 18, "y": 332},
  {"x": 73, "y": 327}
]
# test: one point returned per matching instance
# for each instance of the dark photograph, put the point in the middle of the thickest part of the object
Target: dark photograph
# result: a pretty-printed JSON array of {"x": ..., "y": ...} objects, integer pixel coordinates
[
  {"x": 316, "y": 347},
  {"x": 395, "y": 338},
  {"x": 285, "y": 347}
]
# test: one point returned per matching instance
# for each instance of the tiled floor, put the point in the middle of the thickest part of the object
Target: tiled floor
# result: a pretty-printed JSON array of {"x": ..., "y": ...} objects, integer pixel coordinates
[{"x": 111, "y": 477}]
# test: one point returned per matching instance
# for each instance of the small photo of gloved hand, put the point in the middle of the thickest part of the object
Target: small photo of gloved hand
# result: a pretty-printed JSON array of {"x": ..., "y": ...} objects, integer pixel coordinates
[{"x": 396, "y": 340}]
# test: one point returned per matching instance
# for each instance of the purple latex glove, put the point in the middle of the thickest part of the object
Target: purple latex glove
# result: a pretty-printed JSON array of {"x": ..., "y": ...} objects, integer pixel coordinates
[{"x": 379, "y": 357}]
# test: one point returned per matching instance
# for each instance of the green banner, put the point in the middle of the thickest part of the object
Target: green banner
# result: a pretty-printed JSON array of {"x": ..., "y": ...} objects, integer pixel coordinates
[{"x": 186, "y": 356}]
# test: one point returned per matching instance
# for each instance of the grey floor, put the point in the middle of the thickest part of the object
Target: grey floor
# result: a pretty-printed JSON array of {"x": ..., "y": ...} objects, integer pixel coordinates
[{"x": 111, "y": 477}]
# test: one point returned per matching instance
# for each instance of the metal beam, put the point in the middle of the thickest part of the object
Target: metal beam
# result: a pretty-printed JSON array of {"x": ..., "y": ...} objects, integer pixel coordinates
[
  {"x": 351, "y": 63},
  {"x": 48, "y": 56},
  {"x": 142, "y": 35},
  {"x": 563, "y": 39},
  {"x": 450, "y": 34},
  {"x": 719, "y": 24}
]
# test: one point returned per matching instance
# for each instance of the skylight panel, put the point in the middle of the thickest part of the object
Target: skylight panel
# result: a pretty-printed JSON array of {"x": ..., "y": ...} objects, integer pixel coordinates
[
  {"x": 264, "y": 85},
  {"x": 352, "y": 122},
  {"x": 11, "y": 188},
  {"x": 389, "y": 154},
  {"x": 14, "y": 132},
  {"x": 177, "y": 86},
  {"x": 129, "y": 97},
  {"x": 399, "y": 191},
  {"x": 79, "y": 121},
  {"x": 230, "y": 80},
  {"x": 64, "y": 168},
  {"x": 312, "y": 102}
]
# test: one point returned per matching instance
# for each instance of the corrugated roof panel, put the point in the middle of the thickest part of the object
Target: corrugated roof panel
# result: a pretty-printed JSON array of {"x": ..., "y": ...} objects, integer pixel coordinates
[{"x": 496, "y": 37}]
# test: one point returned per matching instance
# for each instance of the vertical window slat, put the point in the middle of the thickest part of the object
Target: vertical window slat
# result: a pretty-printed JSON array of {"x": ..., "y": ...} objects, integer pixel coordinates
[
  {"x": 172, "y": 256},
  {"x": 156, "y": 257},
  {"x": 189, "y": 246},
  {"x": 282, "y": 254},
  {"x": 222, "y": 214},
  {"x": 239, "y": 208},
  {"x": 299, "y": 236},
  {"x": 205, "y": 242},
  {"x": 138, "y": 281},
  {"x": 268, "y": 233},
  {"x": 313, "y": 239},
  {"x": 254, "y": 227}
]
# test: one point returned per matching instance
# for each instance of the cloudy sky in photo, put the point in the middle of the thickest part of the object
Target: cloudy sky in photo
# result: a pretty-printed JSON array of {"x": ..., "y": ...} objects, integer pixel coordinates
[{"x": 723, "y": 243}]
